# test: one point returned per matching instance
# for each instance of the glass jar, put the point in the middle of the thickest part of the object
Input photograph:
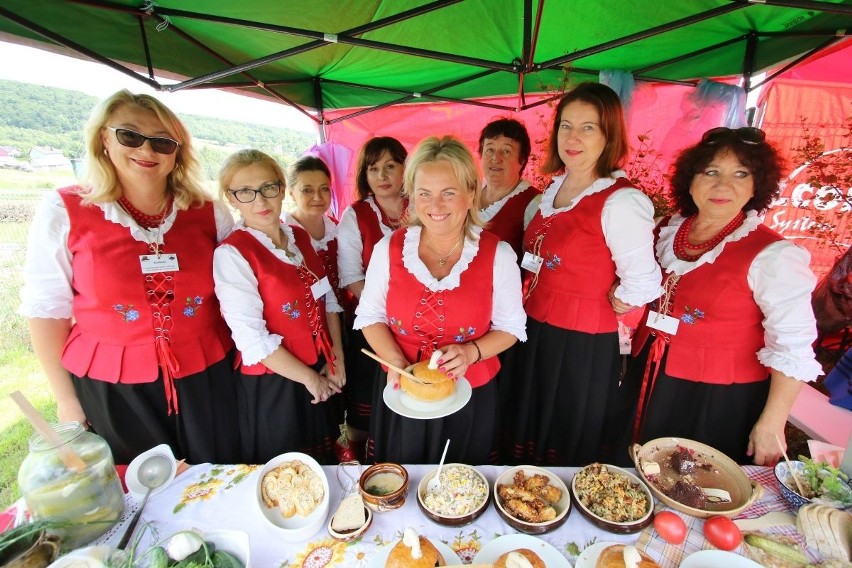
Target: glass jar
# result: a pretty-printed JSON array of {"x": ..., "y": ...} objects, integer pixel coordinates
[{"x": 91, "y": 499}]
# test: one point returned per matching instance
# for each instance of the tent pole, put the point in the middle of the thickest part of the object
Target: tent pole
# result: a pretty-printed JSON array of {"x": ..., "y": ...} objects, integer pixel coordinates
[
  {"x": 798, "y": 60},
  {"x": 319, "y": 107},
  {"x": 146, "y": 46},
  {"x": 748, "y": 59}
]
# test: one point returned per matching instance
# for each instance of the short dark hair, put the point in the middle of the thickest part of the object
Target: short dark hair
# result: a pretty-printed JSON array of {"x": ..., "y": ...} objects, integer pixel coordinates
[
  {"x": 510, "y": 128},
  {"x": 307, "y": 163},
  {"x": 608, "y": 105},
  {"x": 762, "y": 160},
  {"x": 370, "y": 153}
]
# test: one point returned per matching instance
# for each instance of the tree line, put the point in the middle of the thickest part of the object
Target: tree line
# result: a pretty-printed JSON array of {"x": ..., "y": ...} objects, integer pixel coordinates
[{"x": 34, "y": 115}]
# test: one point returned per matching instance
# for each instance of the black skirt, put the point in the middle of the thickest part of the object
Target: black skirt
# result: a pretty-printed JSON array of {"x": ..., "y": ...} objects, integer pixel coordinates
[
  {"x": 360, "y": 374},
  {"x": 276, "y": 416},
  {"x": 397, "y": 439},
  {"x": 133, "y": 418},
  {"x": 720, "y": 416},
  {"x": 555, "y": 393}
]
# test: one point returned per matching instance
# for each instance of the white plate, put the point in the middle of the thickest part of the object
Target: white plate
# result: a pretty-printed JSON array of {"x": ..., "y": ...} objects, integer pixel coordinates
[
  {"x": 589, "y": 557},
  {"x": 507, "y": 543},
  {"x": 88, "y": 557},
  {"x": 131, "y": 476},
  {"x": 450, "y": 557},
  {"x": 713, "y": 558},
  {"x": 406, "y": 406}
]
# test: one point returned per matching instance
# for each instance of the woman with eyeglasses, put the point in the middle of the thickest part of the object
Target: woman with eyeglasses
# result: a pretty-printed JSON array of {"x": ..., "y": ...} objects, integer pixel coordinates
[
  {"x": 119, "y": 291},
  {"x": 380, "y": 208},
  {"x": 720, "y": 357},
  {"x": 441, "y": 283},
  {"x": 283, "y": 316},
  {"x": 588, "y": 256}
]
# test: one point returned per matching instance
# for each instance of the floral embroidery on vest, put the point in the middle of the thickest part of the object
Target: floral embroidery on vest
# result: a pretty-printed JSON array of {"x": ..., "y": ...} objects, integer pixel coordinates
[
  {"x": 128, "y": 312},
  {"x": 553, "y": 261},
  {"x": 464, "y": 334},
  {"x": 398, "y": 325},
  {"x": 691, "y": 316},
  {"x": 290, "y": 309},
  {"x": 192, "y": 306}
]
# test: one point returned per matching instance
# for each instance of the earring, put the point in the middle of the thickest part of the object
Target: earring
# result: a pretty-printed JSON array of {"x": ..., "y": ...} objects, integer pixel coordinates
[{"x": 106, "y": 152}]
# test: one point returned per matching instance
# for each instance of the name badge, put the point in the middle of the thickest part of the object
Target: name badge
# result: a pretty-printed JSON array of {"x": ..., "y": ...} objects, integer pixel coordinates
[
  {"x": 151, "y": 263},
  {"x": 321, "y": 288},
  {"x": 666, "y": 324},
  {"x": 532, "y": 262}
]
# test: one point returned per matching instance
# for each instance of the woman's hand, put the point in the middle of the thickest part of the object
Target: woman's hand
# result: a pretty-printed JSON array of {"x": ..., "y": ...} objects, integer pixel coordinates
[
  {"x": 762, "y": 445},
  {"x": 618, "y": 306},
  {"x": 457, "y": 358},
  {"x": 69, "y": 409},
  {"x": 321, "y": 387},
  {"x": 339, "y": 375}
]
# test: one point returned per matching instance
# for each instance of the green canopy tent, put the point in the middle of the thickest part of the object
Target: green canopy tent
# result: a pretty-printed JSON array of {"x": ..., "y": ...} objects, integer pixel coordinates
[{"x": 364, "y": 54}]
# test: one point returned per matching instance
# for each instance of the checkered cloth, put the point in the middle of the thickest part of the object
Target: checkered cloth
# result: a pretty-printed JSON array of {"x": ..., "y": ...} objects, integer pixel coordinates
[{"x": 670, "y": 556}]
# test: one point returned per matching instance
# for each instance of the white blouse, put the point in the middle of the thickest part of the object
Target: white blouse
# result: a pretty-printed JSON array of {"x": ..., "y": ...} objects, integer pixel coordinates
[
  {"x": 47, "y": 291},
  {"x": 507, "y": 306},
  {"x": 782, "y": 283},
  {"x": 350, "y": 244},
  {"x": 627, "y": 221},
  {"x": 242, "y": 306},
  {"x": 330, "y": 230}
]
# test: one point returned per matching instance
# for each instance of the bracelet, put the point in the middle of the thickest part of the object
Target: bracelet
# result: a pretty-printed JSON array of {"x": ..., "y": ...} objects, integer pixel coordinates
[{"x": 478, "y": 352}]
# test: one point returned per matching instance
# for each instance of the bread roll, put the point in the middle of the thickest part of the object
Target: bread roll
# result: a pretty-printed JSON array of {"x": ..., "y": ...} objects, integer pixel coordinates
[
  {"x": 613, "y": 557},
  {"x": 400, "y": 556},
  {"x": 511, "y": 559},
  {"x": 434, "y": 384}
]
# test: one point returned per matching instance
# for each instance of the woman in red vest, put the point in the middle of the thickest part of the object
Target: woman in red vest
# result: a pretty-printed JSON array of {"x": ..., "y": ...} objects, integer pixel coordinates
[
  {"x": 721, "y": 356},
  {"x": 504, "y": 148},
  {"x": 588, "y": 256},
  {"x": 380, "y": 207},
  {"x": 283, "y": 316},
  {"x": 442, "y": 283},
  {"x": 119, "y": 291}
]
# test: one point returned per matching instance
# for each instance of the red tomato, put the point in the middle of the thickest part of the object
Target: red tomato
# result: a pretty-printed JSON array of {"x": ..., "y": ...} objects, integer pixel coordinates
[
  {"x": 722, "y": 533},
  {"x": 670, "y": 527}
]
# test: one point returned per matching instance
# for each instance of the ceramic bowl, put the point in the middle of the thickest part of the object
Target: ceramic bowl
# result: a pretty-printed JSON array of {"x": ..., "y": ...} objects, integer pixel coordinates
[
  {"x": 386, "y": 501},
  {"x": 726, "y": 474},
  {"x": 296, "y": 528},
  {"x": 790, "y": 492},
  {"x": 562, "y": 506},
  {"x": 347, "y": 536},
  {"x": 476, "y": 504},
  {"x": 619, "y": 527},
  {"x": 35, "y": 552},
  {"x": 233, "y": 542}
]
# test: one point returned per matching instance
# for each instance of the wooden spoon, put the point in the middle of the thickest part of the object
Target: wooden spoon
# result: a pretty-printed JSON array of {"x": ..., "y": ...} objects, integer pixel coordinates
[
  {"x": 790, "y": 466},
  {"x": 399, "y": 370},
  {"x": 68, "y": 456}
]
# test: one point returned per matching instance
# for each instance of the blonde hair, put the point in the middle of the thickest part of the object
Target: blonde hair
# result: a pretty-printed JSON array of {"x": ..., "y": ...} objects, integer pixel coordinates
[
  {"x": 101, "y": 181},
  {"x": 451, "y": 150},
  {"x": 243, "y": 159}
]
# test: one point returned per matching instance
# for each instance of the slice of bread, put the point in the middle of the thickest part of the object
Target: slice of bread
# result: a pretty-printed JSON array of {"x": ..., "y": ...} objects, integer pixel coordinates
[{"x": 350, "y": 515}]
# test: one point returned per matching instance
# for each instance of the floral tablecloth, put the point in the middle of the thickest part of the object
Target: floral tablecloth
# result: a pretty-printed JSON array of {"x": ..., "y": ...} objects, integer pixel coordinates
[{"x": 223, "y": 497}]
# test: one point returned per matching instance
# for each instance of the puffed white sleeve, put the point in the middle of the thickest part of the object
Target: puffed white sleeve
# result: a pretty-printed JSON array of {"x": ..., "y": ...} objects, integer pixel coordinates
[
  {"x": 507, "y": 313},
  {"x": 628, "y": 226},
  {"x": 349, "y": 249},
  {"x": 531, "y": 209},
  {"x": 47, "y": 291},
  {"x": 372, "y": 308},
  {"x": 224, "y": 220},
  {"x": 782, "y": 283},
  {"x": 242, "y": 306}
]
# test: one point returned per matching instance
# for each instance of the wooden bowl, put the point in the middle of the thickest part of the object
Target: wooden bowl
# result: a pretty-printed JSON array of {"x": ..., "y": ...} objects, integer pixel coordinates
[
  {"x": 726, "y": 474},
  {"x": 386, "y": 501},
  {"x": 562, "y": 507}
]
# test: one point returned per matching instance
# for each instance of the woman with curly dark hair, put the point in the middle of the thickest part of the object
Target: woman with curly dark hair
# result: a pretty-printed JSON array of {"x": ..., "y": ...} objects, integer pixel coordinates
[{"x": 720, "y": 356}]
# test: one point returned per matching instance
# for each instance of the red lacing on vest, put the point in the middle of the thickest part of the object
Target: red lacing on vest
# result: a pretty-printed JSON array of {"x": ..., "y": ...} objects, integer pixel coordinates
[
  {"x": 429, "y": 322},
  {"x": 161, "y": 294},
  {"x": 322, "y": 341}
]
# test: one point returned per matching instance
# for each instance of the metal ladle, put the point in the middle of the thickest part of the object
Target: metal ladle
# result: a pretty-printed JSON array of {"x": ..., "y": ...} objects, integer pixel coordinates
[{"x": 152, "y": 473}]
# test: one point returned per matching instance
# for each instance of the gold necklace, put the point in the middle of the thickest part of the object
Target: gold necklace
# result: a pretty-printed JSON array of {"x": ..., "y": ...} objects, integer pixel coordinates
[{"x": 442, "y": 258}]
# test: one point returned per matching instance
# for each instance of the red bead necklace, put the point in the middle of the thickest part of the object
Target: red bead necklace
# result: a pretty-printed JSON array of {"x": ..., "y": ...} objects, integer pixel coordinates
[
  {"x": 681, "y": 242},
  {"x": 143, "y": 219},
  {"x": 394, "y": 223}
]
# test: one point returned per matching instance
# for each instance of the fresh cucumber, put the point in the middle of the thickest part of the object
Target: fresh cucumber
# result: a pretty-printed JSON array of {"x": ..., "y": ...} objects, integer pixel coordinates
[
  {"x": 222, "y": 559},
  {"x": 778, "y": 548}
]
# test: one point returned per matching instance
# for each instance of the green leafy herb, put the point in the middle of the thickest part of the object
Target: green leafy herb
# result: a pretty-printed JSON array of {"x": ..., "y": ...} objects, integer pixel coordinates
[{"x": 826, "y": 482}]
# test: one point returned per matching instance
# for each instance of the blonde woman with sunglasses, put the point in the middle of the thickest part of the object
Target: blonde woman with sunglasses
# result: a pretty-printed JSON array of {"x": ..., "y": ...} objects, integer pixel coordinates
[{"x": 119, "y": 291}]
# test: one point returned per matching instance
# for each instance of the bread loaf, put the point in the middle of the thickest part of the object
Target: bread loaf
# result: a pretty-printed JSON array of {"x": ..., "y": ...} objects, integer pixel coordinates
[
  {"x": 521, "y": 558},
  {"x": 433, "y": 385},
  {"x": 401, "y": 555}
]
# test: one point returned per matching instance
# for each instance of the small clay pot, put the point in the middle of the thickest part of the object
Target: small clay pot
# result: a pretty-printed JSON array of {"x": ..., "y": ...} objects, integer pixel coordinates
[
  {"x": 387, "y": 501},
  {"x": 31, "y": 554}
]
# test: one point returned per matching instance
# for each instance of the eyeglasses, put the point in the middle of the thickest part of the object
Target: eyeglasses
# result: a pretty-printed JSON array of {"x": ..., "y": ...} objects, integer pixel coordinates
[
  {"x": 746, "y": 135},
  {"x": 247, "y": 195},
  {"x": 133, "y": 139}
]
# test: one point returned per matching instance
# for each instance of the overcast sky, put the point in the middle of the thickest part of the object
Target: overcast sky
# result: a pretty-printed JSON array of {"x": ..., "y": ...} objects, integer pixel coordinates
[{"x": 30, "y": 65}]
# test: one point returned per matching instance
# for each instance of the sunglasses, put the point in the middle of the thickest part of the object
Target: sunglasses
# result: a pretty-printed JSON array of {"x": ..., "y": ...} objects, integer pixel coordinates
[
  {"x": 133, "y": 139},
  {"x": 746, "y": 135},
  {"x": 247, "y": 195}
]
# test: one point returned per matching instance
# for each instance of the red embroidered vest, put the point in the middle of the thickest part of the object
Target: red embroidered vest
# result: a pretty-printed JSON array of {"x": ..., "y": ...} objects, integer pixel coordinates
[
  {"x": 423, "y": 321},
  {"x": 289, "y": 307},
  {"x": 578, "y": 270},
  {"x": 370, "y": 229},
  {"x": 129, "y": 325},
  {"x": 721, "y": 329},
  {"x": 508, "y": 223},
  {"x": 329, "y": 262}
]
